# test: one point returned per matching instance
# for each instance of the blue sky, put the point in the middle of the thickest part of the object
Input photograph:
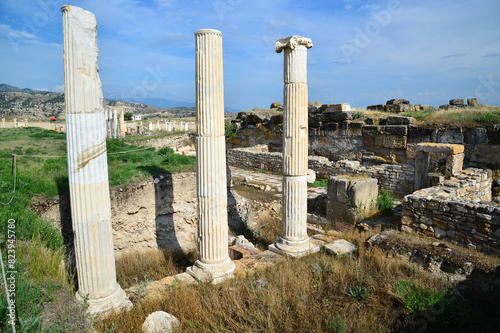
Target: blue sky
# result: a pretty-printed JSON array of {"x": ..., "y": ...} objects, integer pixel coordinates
[{"x": 365, "y": 52}]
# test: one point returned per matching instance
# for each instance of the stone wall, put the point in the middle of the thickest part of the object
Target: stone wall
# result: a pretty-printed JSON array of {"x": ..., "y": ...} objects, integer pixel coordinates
[
  {"x": 159, "y": 212},
  {"x": 339, "y": 136},
  {"x": 458, "y": 210},
  {"x": 397, "y": 178}
]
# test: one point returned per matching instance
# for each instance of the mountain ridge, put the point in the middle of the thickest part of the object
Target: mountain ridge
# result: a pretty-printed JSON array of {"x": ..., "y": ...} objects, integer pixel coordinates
[{"x": 30, "y": 103}]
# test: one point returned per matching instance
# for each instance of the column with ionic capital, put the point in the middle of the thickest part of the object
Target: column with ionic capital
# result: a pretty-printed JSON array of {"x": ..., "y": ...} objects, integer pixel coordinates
[
  {"x": 214, "y": 263},
  {"x": 87, "y": 165},
  {"x": 294, "y": 240}
]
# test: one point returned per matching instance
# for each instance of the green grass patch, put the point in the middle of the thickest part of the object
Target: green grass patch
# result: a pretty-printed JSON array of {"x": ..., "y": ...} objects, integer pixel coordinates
[
  {"x": 418, "y": 299},
  {"x": 149, "y": 137},
  {"x": 319, "y": 183}
]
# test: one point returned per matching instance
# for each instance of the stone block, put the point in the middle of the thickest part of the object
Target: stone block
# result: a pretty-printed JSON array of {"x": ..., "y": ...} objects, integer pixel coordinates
[
  {"x": 340, "y": 247},
  {"x": 369, "y": 140},
  {"x": 380, "y": 140},
  {"x": 450, "y": 135},
  {"x": 394, "y": 129},
  {"x": 431, "y": 147},
  {"x": 396, "y": 108},
  {"x": 421, "y": 134},
  {"x": 160, "y": 322},
  {"x": 395, "y": 141},
  {"x": 475, "y": 136},
  {"x": 457, "y": 102},
  {"x": 351, "y": 199},
  {"x": 339, "y": 115},
  {"x": 338, "y": 107},
  {"x": 494, "y": 134},
  {"x": 454, "y": 164},
  {"x": 440, "y": 224},
  {"x": 378, "y": 107},
  {"x": 472, "y": 102},
  {"x": 487, "y": 154},
  {"x": 439, "y": 233},
  {"x": 400, "y": 120},
  {"x": 397, "y": 101}
]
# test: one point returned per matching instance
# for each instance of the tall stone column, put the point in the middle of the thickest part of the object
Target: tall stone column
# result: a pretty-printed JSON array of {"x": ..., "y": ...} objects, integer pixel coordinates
[
  {"x": 25, "y": 122},
  {"x": 3, "y": 122},
  {"x": 157, "y": 125},
  {"x": 115, "y": 124},
  {"x": 294, "y": 240},
  {"x": 87, "y": 165},
  {"x": 214, "y": 263},
  {"x": 15, "y": 122},
  {"x": 122, "y": 126}
]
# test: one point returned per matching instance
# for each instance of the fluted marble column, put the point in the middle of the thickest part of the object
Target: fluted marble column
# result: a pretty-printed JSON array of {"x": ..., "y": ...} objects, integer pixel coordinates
[
  {"x": 294, "y": 240},
  {"x": 214, "y": 263},
  {"x": 87, "y": 165}
]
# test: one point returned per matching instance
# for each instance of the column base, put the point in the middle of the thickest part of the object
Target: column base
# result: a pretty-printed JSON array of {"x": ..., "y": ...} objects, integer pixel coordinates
[
  {"x": 117, "y": 301},
  {"x": 214, "y": 273},
  {"x": 294, "y": 249}
]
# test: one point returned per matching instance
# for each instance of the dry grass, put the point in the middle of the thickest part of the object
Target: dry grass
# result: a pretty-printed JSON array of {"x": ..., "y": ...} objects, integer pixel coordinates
[
  {"x": 150, "y": 265},
  {"x": 478, "y": 116},
  {"x": 302, "y": 296},
  {"x": 254, "y": 194}
]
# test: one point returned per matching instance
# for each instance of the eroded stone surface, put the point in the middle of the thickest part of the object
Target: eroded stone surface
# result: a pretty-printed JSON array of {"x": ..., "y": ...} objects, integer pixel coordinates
[
  {"x": 87, "y": 165},
  {"x": 340, "y": 247},
  {"x": 160, "y": 322}
]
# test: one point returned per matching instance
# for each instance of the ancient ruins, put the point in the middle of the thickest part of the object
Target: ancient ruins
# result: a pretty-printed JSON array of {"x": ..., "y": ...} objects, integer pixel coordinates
[
  {"x": 294, "y": 240},
  {"x": 214, "y": 262},
  {"x": 440, "y": 176},
  {"x": 87, "y": 165}
]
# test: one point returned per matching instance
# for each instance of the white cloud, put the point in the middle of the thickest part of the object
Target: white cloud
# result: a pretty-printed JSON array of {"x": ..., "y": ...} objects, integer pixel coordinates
[
  {"x": 59, "y": 88},
  {"x": 165, "y": 3},
  {"x": 7, "y": 31}
]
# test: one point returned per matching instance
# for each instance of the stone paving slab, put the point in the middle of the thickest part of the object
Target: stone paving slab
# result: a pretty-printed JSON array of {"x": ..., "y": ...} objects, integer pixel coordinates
[{"x": 273, "y": 180}]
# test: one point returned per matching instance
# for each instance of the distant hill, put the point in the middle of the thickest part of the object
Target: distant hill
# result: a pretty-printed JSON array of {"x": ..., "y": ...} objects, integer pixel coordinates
[
  {"x": 159, "y": 102},
  {"x": 6, "y": 87},
  {"x": 31, "y": 103}
]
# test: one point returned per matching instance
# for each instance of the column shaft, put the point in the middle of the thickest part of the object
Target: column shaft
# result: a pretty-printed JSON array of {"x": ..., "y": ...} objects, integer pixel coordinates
[
  {"x": 214, "y": 262},
  {"x": 87, "y": 165},
  {"x": 294, "y": 240}
]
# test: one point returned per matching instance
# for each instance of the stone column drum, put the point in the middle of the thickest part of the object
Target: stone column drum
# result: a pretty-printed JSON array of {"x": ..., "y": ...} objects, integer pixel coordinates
[
  {"x": 87, "y": 165},
  {"x": 294, "y": 240},
  {"x": 214, "y": 263}
]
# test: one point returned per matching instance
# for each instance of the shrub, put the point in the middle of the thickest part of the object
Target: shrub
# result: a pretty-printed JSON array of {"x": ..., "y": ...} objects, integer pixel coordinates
[
  {"x": 229, "y": 130},
  {"x": 127, "y": 116},
  {"x": 418, "y": 299},
  {"x": 386, "y": 201}
]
